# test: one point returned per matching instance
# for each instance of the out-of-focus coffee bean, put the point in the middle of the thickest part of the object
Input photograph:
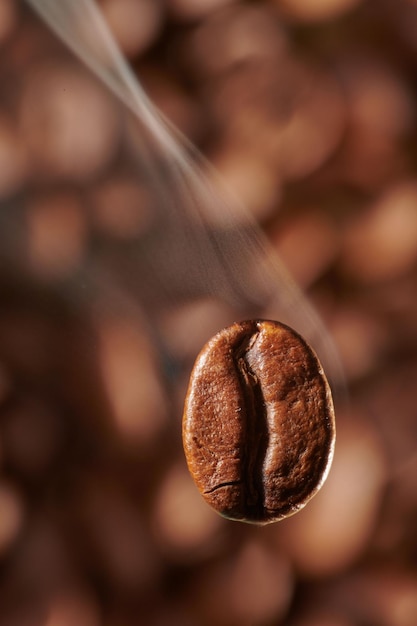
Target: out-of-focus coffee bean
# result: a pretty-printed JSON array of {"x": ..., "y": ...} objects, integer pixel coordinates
[
  {"x": 360, "y": 339},
  {"x": 405, "y": 23},
  {"x": 250, "y": 586},
  {"x": 113, "y": 531},
  {"x": 173, "y": 101},
  {"x": 135, "y": 24},
  {"x": 379, "y": 100},
  {"x": 260, "y": 585},
  {"x": 8, "y": 19},
  {"x": 295, "y": 118},
  {"x": 307, "y": 245},
  {"x": 314, "y": 131},
  {"x": 13, "y": 164},
  {"x": 44, "y": 561},
  {"x": 393, "y": 393},
  {"x": 12, "y": 515},
  {"x": 121, "y": 208},
  {"x": 132, "y": 382},
  {"x": 189, "y": 10},
  {"x": 173, "y": 612},
  {"x": 325, "y": 617},
  {"x": 381, "y": 244},
  {"x": 258, "y": 426},
  {"x": 252, "y": 181},
  {"x": 69, "y": 122},
  {"x": 396, "y": 529},
  {"x": 233, "y": 37},
  {"x": 319, "y": 11},
  {"x": 369, "y": 162},
  {"x": 56, "y": 234},
  {"x": 32, "y": 433},
  {"x": 249, "y": 115},
  {"x": 27, "y": 341},
  {"x": 334, "y": 530},
  {"x": 19, "y": 611},
  {"x": 185, "y": 528},
  {"x": 70, "y": 607},
  {"x": 379, "y": 595},
  {"x": 380, "y": 114},
  {"x": 186, "y": 328}
]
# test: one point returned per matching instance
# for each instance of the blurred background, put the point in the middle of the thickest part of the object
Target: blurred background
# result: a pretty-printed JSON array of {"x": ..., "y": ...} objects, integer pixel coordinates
[{"x": 308, "y": 111}]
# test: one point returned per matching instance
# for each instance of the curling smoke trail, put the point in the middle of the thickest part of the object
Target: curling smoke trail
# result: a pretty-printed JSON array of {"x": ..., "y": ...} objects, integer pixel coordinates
[{"x": 230, "y": 258}]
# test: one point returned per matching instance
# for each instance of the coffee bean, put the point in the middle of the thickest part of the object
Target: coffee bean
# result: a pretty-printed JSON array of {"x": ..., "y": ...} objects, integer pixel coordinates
[{"x": 258, "y": 427}]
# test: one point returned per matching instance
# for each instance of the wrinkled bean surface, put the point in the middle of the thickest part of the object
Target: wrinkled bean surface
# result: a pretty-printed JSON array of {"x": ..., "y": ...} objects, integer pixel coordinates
[{"x": 258, "y": 426}]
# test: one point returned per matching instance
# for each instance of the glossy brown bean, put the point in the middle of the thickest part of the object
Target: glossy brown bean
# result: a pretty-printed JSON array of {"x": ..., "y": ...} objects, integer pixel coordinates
[{"x": 258, "y": 426}]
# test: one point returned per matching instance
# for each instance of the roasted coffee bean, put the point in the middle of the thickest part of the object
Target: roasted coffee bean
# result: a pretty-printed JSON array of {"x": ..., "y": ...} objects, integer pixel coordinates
[{"x": 258, "y": 427}]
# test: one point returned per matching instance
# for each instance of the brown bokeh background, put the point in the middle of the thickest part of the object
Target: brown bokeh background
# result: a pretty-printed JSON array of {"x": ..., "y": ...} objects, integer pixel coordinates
[{"x": 308, "y": 111}]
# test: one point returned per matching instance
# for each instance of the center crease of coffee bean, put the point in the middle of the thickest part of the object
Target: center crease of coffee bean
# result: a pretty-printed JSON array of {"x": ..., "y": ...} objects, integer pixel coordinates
[{"x": 255, "y": 432}]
